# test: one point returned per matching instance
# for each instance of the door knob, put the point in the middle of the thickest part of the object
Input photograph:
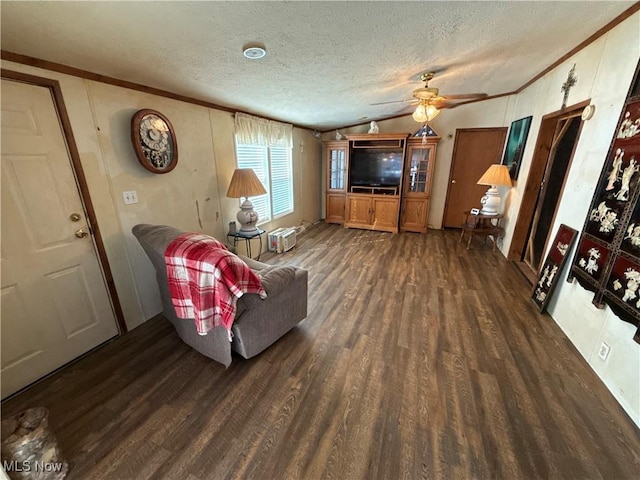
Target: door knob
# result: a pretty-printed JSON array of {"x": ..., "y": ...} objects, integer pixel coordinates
[
  {"x": 75, "y": 217},
  {"x": 81, "y": 233}
]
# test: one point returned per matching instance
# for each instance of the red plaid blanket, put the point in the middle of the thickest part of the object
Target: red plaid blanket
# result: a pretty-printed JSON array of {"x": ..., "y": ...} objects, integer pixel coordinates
[{"x": 206, "y": 280}]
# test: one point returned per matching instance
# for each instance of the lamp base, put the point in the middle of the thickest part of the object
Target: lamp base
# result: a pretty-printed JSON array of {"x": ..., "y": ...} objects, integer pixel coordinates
[
  {"x": 247, "y": 218},
  {"x": 491, "y": 202}
]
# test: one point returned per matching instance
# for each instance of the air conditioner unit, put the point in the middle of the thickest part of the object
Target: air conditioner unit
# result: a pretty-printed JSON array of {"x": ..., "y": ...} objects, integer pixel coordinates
[
  {"x": 272, "y": 238},
  {"x": 282, "y": 240}
]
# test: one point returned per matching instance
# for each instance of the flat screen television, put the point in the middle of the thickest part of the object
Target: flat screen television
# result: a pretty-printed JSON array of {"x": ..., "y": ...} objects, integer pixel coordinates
[{"x": 375, "y": 167}]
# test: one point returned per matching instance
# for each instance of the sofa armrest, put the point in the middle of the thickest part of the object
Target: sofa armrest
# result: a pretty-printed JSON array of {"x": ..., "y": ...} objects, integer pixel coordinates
[
  {"x": 254, "y": 264},
  {"x": 256, "y": 328},
  {"x": 274, "y": 279}
]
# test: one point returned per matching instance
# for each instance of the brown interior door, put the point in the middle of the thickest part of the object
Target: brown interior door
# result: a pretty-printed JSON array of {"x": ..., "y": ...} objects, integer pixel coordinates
[
  {"x": 538, "y": 176},
  {"x": 562, "y": 147},
  {"x": 474, "y": 150}
]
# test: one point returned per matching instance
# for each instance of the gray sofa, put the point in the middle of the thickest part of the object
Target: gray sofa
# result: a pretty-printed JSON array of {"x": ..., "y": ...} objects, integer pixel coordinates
[{"x": 258, "y": 323}]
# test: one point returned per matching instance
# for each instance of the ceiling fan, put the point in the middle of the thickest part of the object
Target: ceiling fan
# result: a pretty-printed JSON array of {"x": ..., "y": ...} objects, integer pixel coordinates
[{"x": 430, "y": 102}]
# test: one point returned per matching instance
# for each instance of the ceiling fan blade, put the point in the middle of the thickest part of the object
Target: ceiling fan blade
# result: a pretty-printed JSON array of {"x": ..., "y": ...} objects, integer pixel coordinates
[
  {"x": 413, "y": 100},
  {"x": 462, "y": 96},
  {"x": 441, "y": 105},
  {"x": 448, "y": 102}
]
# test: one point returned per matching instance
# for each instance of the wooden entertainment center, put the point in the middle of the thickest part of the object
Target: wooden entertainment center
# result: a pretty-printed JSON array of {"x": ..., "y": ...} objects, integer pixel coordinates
[{"x": 380, "y": 181}]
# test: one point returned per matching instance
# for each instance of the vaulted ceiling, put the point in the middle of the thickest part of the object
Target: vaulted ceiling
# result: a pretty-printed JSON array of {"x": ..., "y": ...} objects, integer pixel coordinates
[{"x": 326, "y": 62}]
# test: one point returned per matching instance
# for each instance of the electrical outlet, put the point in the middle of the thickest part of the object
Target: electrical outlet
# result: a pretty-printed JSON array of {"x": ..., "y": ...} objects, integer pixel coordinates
[
  {"x": 130, "y": 197},
  {"x": 603, "y": 353}
]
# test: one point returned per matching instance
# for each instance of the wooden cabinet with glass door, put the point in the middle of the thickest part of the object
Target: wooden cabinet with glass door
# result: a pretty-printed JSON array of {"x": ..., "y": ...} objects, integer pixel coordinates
[
  {"x": 337, "y": 164},
  {"x": 416, "y": 192}
]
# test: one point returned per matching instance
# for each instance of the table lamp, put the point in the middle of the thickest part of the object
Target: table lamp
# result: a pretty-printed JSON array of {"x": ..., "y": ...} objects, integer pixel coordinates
[
  {"x": 494, "y": 176},
  {"x": 245, "y": 184}
]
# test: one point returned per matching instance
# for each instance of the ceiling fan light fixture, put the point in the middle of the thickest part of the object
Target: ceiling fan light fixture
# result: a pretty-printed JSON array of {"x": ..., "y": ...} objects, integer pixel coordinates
[
  {"x": 425, "y": 112},
  {"x": 432, "y": 112},
  {"x": 420, "y": 114}
]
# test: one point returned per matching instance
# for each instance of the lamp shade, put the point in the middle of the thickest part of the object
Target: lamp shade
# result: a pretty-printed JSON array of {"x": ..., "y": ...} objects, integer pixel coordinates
[
  {"x": 245, "y": 183},
  {"x": 420, "y": 114},
  {"x": 496, "y": 175},
  {"x": 432, "y": 112},
  {"x": 425, "y": 112}
]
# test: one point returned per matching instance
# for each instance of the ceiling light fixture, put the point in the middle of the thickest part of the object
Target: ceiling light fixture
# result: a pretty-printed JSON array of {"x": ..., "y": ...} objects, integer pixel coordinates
[
  {"x": 253, "y": 51},
  {"x": 425, "y": 112}
]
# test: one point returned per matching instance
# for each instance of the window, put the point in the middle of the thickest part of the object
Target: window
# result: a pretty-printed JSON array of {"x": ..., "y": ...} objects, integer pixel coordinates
[
  {"x": 273, "y": 167},
  {"x": 265, "y": 146},
  {"x": 281, "y": 181}
]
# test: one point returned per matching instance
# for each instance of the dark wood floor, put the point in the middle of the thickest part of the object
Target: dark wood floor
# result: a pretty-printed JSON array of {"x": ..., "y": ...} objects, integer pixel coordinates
[{"x": 419, "y": 359}]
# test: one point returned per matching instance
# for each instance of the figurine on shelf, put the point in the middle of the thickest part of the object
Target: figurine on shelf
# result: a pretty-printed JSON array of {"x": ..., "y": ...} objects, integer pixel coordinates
[
  {"x": 339, "y": 135},
  {"x": 373, "y": 127}
]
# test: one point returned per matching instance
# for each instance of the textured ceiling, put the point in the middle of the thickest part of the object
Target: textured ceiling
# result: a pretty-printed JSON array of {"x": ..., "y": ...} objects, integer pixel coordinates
[{"x": 326, "y": 61}]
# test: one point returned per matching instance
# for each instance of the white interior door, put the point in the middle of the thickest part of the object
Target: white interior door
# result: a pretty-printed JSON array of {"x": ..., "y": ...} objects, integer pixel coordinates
[{"x": 55, "y": 304}]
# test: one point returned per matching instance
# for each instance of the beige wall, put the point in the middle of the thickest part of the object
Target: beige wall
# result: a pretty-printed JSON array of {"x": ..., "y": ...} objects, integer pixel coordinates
[
  {"x": 604, "y": 70},
  {"x": 191, "y": 197}
]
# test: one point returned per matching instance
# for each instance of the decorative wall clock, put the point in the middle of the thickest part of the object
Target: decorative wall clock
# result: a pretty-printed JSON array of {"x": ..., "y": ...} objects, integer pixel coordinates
[{"x": 154, "y": 141}]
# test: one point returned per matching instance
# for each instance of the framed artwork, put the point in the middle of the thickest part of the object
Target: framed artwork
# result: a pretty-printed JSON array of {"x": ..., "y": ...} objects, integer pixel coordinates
[
  {"x": 619, "y": 180},
  {"x": 607, "y": 260},
  {"x": 516, "y": 142},
  {"x": 552, "y": 267}
]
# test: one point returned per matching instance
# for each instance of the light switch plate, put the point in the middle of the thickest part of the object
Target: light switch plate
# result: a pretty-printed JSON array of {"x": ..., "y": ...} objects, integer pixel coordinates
[{"x": 130, "y": 197}]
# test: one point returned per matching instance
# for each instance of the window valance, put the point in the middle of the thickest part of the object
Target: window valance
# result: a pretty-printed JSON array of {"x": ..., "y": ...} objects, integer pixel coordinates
[{"x": 252, "y": 130}]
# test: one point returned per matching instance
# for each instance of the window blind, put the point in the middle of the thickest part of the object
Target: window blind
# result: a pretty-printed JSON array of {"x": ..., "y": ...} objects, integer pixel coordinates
[
  {"x": 255, "y": 157},
  {"x": 281, "y": 181}
]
